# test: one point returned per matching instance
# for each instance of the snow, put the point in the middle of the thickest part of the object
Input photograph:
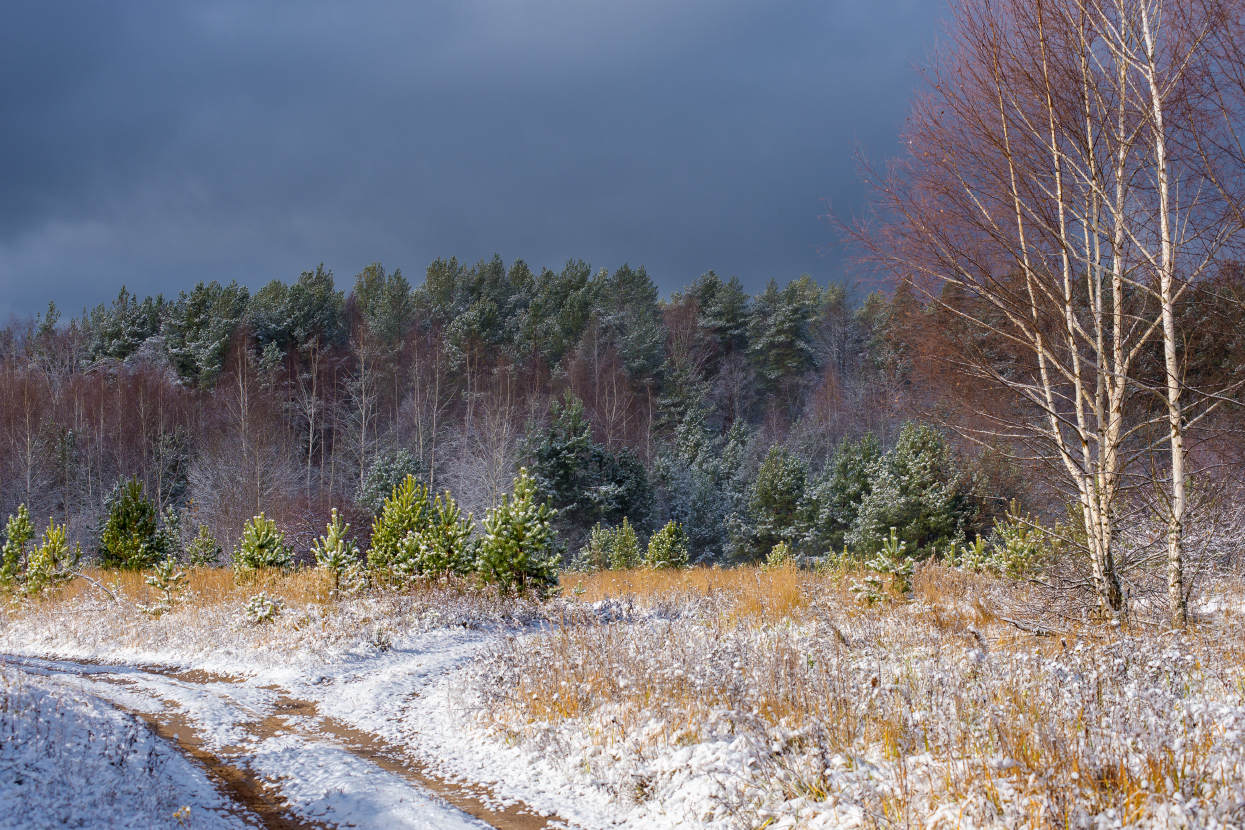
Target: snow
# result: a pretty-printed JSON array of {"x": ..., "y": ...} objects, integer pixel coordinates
[
  {"x": 69, "y": 760},
  {"x": 442, "y": 688}
]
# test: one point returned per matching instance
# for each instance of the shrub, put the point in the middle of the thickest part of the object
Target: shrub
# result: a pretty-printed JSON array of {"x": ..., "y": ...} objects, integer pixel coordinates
[
  {"x": 405, "y": 510},
  {"x": 889, "y": 565},
  {"x": 334, "y": 552},
  {"x": 610, "y": 547},
  {"x": 517, "y": 552},
  {"x": 131, "y": 538},
  {"x": 262, "y": 608},
  {"x": 262, "y": 546},
  {"x": 667, "y": 548}
]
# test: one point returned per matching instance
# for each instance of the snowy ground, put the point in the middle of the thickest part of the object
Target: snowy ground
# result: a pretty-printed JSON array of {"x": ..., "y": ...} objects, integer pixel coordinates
[
  {"x": 69, "y": 760},
  {"x": 669, "y": 713}
]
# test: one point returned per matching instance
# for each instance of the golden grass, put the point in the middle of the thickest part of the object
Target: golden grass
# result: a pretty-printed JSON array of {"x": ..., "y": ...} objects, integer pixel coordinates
[{"x": 1019, "y": 730}]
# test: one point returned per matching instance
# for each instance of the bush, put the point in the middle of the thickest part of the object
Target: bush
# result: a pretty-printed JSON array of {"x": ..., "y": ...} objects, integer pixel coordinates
[
  {"x": 667, "y": 548},
  {"x": 262, "y": 546},
  {"x": 780, "y": 557},
  {"x": 131, "y": 538},
  {"x": 406, "y": 510},
  {"x": 517, "y": 553}
]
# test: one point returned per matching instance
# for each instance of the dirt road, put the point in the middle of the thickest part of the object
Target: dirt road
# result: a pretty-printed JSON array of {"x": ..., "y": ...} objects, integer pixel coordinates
[{"x": 280, "y": 760}]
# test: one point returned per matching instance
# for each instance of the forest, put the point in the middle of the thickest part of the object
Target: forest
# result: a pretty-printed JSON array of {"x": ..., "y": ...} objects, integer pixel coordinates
[{"x": 795, "y": 416}]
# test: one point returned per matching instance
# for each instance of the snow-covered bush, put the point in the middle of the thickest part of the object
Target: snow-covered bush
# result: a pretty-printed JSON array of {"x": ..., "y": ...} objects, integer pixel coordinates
[
  {"x": 780, "y": 557},
  {"x": 262, "y": 608},
  {"x": 18, "y": 533},
  {"x": 517, "y": 553},
  {"x": 262, "y": 546},
  {"x": 667, "y": 548}
]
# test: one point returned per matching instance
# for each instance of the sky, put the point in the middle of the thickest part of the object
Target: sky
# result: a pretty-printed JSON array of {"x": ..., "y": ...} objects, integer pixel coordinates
[{"x": 156, "y": 144}]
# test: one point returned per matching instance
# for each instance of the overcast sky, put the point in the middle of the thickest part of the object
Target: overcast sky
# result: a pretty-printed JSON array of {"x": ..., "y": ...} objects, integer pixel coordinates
[{"x": 156, "y": 144}]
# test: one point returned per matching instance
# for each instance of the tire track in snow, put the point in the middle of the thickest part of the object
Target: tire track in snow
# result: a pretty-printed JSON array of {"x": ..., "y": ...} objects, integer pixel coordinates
[{"x": 282, "y": 760}]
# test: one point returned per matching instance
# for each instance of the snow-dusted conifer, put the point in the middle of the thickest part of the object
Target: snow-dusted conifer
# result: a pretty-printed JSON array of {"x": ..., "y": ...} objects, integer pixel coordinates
[{"x": 517, "y": 552}]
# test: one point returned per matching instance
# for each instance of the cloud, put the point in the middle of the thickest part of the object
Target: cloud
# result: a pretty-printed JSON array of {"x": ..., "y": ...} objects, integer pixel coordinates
[{"x": 158, "y": 144}]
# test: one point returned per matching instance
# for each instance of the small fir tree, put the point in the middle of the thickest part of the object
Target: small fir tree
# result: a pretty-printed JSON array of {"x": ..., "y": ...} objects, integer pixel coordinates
[
  {"x": 52, "y": 562},
  {"x": 18, "y": 533},
  {"x": 405, "y": 511},
  {"x": 203, "y": 550},
  {"x": 334, "y": 552},
  {"x": 667, "y": 548},
  {"x": 262, "y": 546},
  {"x": 131, "y": 538},
  {"x": 625, "y": 551},
  {"x": 517, "y": 552}
]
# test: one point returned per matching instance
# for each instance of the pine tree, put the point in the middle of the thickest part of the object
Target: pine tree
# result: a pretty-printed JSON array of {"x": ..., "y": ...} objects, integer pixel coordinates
[
  {"x": 405, "y": 511},
  {"x": 443, "y": 546},
  {"x": 667, "y": 548},
  {"x": 131, "y": 537},
  {"x": 334, "y": 552},
  {"x": 517, "y": 552},
  {"x": 262, "y": 546},
  {"x": 624, "y": 551},
  {"x": 18, "y": 533}
]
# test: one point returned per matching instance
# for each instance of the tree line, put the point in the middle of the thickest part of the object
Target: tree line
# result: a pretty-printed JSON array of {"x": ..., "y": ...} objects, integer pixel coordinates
[{"x": 747, "y": 420}]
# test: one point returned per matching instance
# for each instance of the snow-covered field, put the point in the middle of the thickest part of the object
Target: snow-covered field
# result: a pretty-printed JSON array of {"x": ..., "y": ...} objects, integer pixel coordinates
[
  {"x": 69, "y": 760},
  {"x": 707, "y": 700}
]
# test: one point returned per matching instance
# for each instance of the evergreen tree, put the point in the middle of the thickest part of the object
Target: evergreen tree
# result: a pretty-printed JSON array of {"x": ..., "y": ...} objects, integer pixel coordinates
[
  {"x": 836, "y": 496},
  {"x": 131, "y": 538},
  {"x": 444, "y": 545},
  {"x": 406, "y": 510},
  {"x": 334, "y": 552},
  {"x": 667, "y": 548},
  {"x": 777, "y": 510},
  {"x": 517, "y": 553},
  {"x": 17, "y": 534},
  {"x": 388, "y": 470},
  {"x": 119, "y": 329},
  {"x": 262, "y": 546},
  {"x": 915, "y": 488},
  {"x": 780, "y": 334},
  {"x": 198, "y": 329}
]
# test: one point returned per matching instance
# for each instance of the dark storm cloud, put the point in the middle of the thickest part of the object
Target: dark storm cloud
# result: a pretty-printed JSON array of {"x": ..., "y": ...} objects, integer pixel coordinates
[{"x": 156, "y": 144}]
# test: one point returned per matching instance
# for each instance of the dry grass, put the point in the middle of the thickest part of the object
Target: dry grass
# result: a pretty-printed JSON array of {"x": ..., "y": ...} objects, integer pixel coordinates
[
  {"x": 103, "y": 616},
  {"x": 932, "y": 713}
]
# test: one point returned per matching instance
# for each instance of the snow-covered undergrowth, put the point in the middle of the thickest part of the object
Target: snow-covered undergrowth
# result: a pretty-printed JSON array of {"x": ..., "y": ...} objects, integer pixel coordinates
[
  {"x": 214, "y": 625},
  {"x": 69, "y": 760},
  {"x": 737, "y": 704},
  {"x": 727, "y": 699}
]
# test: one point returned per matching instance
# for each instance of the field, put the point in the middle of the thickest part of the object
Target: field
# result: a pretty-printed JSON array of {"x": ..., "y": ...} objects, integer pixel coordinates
[{"x": 728, "y": 698}]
